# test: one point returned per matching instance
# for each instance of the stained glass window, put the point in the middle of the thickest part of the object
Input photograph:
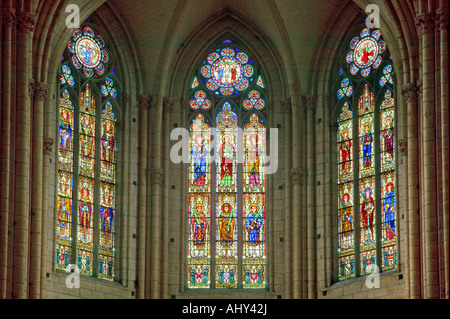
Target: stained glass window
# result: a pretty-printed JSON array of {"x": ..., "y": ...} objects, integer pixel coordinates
[
  {"x": 87, "y": 158},
  {"x": 226, "y": 201},
  {"x": 366, "y": 158}
]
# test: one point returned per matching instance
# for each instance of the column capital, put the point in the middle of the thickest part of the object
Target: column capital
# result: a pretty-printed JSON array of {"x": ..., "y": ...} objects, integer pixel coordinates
[
  {"x": 48, "y": 145},
  {"x": 167, "y": 103},
  {"x": 426, "y": 22},
  {"x": 442, "y": 18},
  {"x": 26, "y": 22},
  {"x": 40, "y": 91},
  {"x": 409, "y": 90},
  {"x": 286, "y": 105},
  {"x": 144, "y": 101},
  {"x": 31, "y": 87},
  {"x": 9, "y": 16},
  {"x": 156, "y": 175},
  {"x": 403, "y": 146},
  {"x": 126, "y": 98},
  {"x": 296, "y": 175},
  {"x": 309, "y": 102}
]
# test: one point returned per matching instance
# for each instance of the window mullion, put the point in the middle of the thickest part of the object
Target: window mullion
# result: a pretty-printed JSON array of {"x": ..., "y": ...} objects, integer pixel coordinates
[
  {"x": 377, "y": 186},
  {"x": 356, "y": 179},
  {"x": 96, "y": 215}
]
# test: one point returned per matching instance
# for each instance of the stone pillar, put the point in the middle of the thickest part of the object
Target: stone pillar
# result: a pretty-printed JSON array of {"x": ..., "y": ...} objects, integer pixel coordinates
[
  {"x": 168, "y": 103},
  {"x": 443, "y": 18},
  {"x": 296, "y": 181},
  {"x": 286, "y": 105},
  {"x": 410, "y": 92},
  {"x": 426, "y": 24},
  {"x": 156, "y": 175},
  {"x": 142, "y": 195},
  {"x": 47, "y": 145},
  {"x": 310, "y": 104},
  {"x": 22, "y": 157},
  {"x": 8, "y": 19},
  {"x": 40, "y": 94}
]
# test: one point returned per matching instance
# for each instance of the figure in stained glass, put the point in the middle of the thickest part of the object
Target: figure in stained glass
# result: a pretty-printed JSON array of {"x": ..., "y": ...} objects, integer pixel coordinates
[
  {"x": 226, "y": 223},
  {"x": 388, "y": 135},
  {"x": 253, "y": 225},
  {"x": 199, "y": 159},
  {"x": 199, "y": 225},
  {"x": 227, "y": 154},
  {"x": 366, "y": 142},
  {"x": 108, "y": 142},
  {"x": 389, "y": 211},
  {"x": 253, "y": 154},
  {"x": 367, "y": 214}
]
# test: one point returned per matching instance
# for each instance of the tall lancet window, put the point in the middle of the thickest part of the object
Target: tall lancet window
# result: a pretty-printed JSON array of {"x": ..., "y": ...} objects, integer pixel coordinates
[
  {"x": 87, "y": 157},
  {"x": 366, "y": 176},
  {"x": 226, "y": 202}
]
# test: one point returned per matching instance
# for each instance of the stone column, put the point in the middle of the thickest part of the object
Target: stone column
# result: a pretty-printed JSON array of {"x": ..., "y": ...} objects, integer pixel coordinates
[
  {"x": 286, "y": 105},
  {"x": 310, "y": 103},
  {"x": 22, "y": 157},
  {"x": 296, "y": 181},
  {"x": 168, "y": 103},
  {"x": 426, "y": 23},
  {"x": 8, "y": 19},
  {"x": 40, "y": 94},
  {"x": 143, "y": 101},
  {"x": 443, "y": 18},
  {"x": 155, "y": 234},
  {"x": 410, "y": 92},
  {"x": 47, "y": 145}
]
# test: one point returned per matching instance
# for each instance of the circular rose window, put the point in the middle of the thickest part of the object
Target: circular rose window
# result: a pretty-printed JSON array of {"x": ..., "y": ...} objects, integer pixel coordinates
[
  {"x": 88, "y": 52},
  {"x": 226, "y": 72},
  {"x": 365, "y": 52}
]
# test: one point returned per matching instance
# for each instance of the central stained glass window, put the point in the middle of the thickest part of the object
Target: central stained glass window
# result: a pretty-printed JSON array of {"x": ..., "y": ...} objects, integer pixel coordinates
[{"x": 226, "y": 201}]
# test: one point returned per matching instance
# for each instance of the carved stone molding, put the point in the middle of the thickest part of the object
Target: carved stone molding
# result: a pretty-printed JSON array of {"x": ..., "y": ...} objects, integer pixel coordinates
[
  {"x": 403, "y": 146},
  {"x": 286, "y": 105},
  {"x": 167, "y": 103},
  {"x": 409, "y": 91},
  {"x": 48, "y": 145},
  {"x": 31, "y": 87},
  {"x": 9, "y": 17},
  {"x": 126, "y": 98},
  {"x": 442, "y": 18},
  {"x": 426, "y": 22},
  {"x": 296, "y": 175},
  {"x": 310, "y": 102},
  {"x": 143, "y": 101},
  {"x": 156, "y": 175},
  {"x": 25, "y": 22},
  {"x": 419, "y": 85},
  {"x": 40, "y": 91}
]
